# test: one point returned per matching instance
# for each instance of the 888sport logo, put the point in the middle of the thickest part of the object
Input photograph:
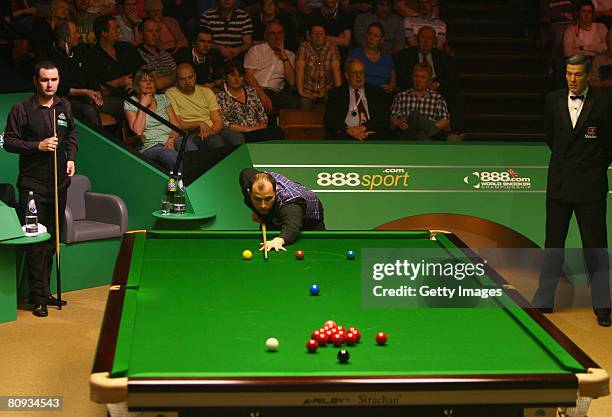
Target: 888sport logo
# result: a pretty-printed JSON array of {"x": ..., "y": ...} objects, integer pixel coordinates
[{"x": 389, "y": 178}]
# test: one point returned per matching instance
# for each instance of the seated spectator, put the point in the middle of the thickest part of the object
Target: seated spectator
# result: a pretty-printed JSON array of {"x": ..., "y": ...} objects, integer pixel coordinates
[
  {"x": 267, "y": 13},
  {"x": 393, "y": 27},
  {"x": 160, "y": 61},
  {"x": 160, "y": 143},
  {"x": 128, "y": 21},
  {"x": 445, "y": 79},
  {"x": 42, "y": 33},
  {"x": 357, "y": 110},
  {"x": 406, "y": 8},
  {"x": 317, "y": 68},
  {"x": 208, "y": 62},
  {"x": 601, "y": 76},
  {"x": 337, "y": 24},
  {"x": 270, "y": 69},
  {"x": 379, "y": 65},
  {"x": 171, "y": 37},
  {"x": 84, "y": 93},
  {"x": 113, "y": 62},
  {"x": 84, "y": 21},
  {"x": 426, "y": 17},
  {"x": 197, "y": 110},
  {"x": 232, "y": 28},
  {"x": 421, "y": 113},
  {"x": 603, "y": 12},
  {"x": 241, "y": 109},
  {"x": 585, "y": 37},
  {"x": 18, "y": 19}
]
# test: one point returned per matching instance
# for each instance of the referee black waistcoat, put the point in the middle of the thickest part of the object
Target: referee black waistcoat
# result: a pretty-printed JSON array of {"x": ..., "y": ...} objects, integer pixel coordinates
[
  {"x": 36, "y": 169},
  {"x": 578, "y": 168}
]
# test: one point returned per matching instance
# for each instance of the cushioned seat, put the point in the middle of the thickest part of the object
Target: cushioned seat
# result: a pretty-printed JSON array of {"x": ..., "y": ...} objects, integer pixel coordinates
[{"x": 91, "y": 216}]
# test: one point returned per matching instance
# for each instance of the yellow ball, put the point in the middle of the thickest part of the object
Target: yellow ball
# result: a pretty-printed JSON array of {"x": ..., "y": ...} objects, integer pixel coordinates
[{"x": 247, "y": 255}]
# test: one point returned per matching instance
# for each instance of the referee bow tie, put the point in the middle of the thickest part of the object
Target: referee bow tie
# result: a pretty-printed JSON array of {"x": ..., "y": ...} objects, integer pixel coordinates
[{"x": 580, "y": 97}]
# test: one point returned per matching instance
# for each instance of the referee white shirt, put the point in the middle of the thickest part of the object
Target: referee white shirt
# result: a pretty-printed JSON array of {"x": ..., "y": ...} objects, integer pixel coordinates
[{"x": 575, "y": 106}]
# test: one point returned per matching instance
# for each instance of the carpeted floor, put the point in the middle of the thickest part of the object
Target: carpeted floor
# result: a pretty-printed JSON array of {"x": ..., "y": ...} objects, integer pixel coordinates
[{"x": 54, "y": 355}]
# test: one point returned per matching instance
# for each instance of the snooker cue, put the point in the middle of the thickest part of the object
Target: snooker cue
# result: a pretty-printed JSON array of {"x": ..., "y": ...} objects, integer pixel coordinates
[
  {"x": 58, "y": 276},
  {"x": 265, "y": 240}
]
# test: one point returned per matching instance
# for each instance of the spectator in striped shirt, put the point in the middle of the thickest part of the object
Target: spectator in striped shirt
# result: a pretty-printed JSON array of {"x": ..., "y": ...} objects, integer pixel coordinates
[
  {"x": 232, "y": 28},
  {"x": 160, "y": 61},
  {"x": 421, "y": 113}
]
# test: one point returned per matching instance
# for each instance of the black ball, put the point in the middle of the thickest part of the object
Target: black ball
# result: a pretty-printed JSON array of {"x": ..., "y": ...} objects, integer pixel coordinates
[{"x": 343, "y": 356}]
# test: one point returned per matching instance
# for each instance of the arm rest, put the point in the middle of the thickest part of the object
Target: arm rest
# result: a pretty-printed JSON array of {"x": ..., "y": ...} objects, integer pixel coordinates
[
  {"x": 67, "y": 235},
  {"x": 106, "y": 208}
]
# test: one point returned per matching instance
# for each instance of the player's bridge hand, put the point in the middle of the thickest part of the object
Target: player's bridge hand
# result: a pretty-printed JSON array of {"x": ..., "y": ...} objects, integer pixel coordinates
[
  {"x": 48, "y": 144},
  {"x": 274, "y": 244}
]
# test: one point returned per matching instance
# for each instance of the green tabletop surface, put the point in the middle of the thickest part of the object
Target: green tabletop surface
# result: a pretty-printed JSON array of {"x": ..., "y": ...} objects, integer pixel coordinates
[
  {"x": 193, "y": 307},
  {"x": 26, "y": 240}
]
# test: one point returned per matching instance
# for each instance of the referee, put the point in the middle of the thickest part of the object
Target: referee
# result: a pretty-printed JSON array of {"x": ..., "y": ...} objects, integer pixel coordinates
[{"x": 30, "y": 133}]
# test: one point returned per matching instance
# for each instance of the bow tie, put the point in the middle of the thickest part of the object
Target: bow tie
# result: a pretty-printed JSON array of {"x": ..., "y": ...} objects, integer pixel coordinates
[{"x": 580, "y": 97}]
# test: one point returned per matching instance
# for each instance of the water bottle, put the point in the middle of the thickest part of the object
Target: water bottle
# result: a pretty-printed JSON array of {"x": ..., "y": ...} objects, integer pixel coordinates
[
  {"x": 178, "y": 205},
  {"x": 31, "y": 217},
  {"x": 168, "y": 196}
]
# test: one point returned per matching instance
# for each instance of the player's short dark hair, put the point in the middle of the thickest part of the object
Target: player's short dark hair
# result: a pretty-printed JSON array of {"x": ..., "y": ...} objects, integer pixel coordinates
[
  {"x": 45, "y": 64},
  {"x": 233, "y": 66},
  {"x": 262, "y": 176},
  {"x": 101, "y": 24},
  {"x": 377, "y": 25},
  {"x": 580, "y": 60}
]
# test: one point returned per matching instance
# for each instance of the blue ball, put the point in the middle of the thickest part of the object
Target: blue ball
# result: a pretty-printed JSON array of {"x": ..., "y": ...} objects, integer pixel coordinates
[
  {"x": 350, "y": 255},
  {"x": 315, "y": 289}
]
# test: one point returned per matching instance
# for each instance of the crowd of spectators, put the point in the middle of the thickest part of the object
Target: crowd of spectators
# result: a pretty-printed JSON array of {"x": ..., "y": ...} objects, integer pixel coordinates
[{"x": 225, "y": 68}]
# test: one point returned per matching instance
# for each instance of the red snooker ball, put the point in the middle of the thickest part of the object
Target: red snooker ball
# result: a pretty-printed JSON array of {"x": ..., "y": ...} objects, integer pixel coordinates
[
  {"x": 315, "y": 334},
  {"x": 337, "y": 340},
  {"x": 351, "y": 338},
  {"x": 381, "y": 338},
  {"x": 312, "y": 346},
  {"x": 321, "y": 339},
  {"x": 299, "y": 255},
  {"x": 330, "y": 324}
]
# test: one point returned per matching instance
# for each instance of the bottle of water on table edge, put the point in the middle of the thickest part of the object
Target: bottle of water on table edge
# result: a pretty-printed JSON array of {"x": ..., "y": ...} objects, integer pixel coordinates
[
  {"x": 178, "y": 205},
  {"x": 168, "y": 197},
  {"x": 31, "y": 217}
]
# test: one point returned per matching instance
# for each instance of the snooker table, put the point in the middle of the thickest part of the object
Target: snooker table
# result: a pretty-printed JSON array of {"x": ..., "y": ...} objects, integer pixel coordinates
[{"x": 186, "y": 320}]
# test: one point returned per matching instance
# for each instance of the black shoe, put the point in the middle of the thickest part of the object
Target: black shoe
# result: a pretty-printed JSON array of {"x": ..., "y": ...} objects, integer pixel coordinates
[
  {"x": 52, "y": 301},
  {"x": 40, "y": 310},
  {"x": 604, "y": 321}
]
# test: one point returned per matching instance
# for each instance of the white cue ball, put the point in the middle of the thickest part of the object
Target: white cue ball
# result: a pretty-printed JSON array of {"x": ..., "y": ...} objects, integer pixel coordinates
[{"x": 272, "y": 344}]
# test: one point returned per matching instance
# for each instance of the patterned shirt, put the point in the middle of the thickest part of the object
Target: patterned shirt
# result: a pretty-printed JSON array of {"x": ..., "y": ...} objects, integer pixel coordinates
[
  {"x": 227, "y": 32},
  {"x": 287, "y": 191},
  {"x": 432, "y": 105},
  {"x": 318, "y": 66},
  {"x": 161, "y": 62},
  {"x": 234, "y": 112}
]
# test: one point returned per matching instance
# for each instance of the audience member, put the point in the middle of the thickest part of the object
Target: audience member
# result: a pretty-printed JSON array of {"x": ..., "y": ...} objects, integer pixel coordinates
[
  {"x": 268, "y": 12},
  {"x": 197, "y": 109},
  {"x": 421, "y": 113},
  {"x": 379, "y": 65},
  {"x": 603, "y": 12},
  {"x": 556, "y": 16},
  {"x": 585, "y": 37},
  {"x": 601, "y": 76},
  {"x": 84, "y": 93},
  {"x": 317, "y": 68},
  {"x": 232, "y": 28},
  {"x": 241, "y": 108},
  {"x": 270, "y": 70},
  {"x": 426, "y": 17},
  {"x": 18, "y": 19},
  {"x": 445, "y": 79},
  {"x": 84, "y": 22},
  {"x": 354, "y": 7},
  {"x": 128, "y": 21},
  {"x": 393, "y": 27},
  {"x": 171, "y": 37},
  {"x": 113, "y": 62},
  {"x": 357, "y": 110},
  {"x": 101, "y": 7},
  {"x": 208, "y": 62},
  {"x": 337, "y": 24},
  {"x": 160, "y": 143},
  {"x": 406, "y": 8},
  {"x": 42, "y": 33},
  {"x": 160, "y": 61}
]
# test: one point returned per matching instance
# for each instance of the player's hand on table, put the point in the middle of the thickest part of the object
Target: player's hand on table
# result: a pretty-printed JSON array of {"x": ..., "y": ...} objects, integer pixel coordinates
[
  {"x": 48, "y": 144},
  {"x": 274, "y": 244}
]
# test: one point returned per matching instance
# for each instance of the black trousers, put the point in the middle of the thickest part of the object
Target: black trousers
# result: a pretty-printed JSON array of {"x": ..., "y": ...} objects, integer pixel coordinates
[
  {"x": 39, "y": 257},
  {"x": 591, "y": 217}
]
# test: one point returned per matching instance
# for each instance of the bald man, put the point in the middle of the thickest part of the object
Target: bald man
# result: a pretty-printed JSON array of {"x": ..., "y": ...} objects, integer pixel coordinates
[{"x": 281, "y": 204}]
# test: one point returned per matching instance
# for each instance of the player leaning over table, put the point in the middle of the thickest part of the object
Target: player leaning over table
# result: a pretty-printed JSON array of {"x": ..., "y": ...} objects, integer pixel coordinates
[{"x": 282, "y": 204}]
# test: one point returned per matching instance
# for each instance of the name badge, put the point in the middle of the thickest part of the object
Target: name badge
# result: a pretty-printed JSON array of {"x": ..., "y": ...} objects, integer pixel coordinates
[
  {"x": 591, "y": 133},
  {"x": 62, "y": 123}
]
